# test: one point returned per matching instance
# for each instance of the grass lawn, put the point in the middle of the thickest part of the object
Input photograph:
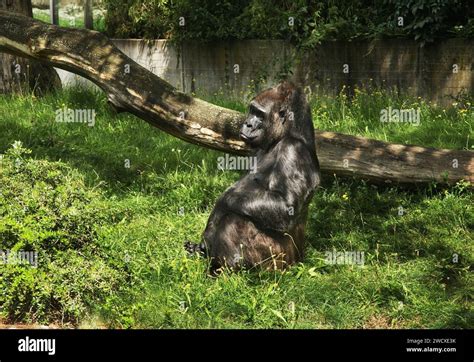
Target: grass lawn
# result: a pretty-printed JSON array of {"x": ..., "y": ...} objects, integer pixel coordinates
[
  {"x": 110, "y": 237},
  {"x": 71, "y": 17}
]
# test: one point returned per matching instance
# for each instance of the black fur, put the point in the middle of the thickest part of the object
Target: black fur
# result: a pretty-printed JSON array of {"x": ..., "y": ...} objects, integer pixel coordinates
[{"x": 260, "y": 220}]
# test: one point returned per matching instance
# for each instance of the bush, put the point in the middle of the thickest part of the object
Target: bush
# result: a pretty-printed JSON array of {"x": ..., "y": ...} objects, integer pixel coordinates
[
  {"x": 46, "y": 208},
  {"x": 304, "y": 23}
]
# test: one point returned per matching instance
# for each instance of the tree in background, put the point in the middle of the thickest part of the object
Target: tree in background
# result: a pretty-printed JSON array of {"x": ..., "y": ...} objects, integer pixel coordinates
[
  {"x": 303, "y": 22},
  {"x": 20, "y": 74}
]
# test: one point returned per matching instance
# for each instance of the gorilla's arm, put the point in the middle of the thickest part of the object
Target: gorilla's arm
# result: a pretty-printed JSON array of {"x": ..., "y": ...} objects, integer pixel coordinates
[
  {"x": 267, "y": 209},
  {"x": 275, "y": 199}
]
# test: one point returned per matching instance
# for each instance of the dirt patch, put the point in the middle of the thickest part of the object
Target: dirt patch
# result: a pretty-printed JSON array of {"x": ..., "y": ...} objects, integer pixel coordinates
[{"x": 27, "y": 326}]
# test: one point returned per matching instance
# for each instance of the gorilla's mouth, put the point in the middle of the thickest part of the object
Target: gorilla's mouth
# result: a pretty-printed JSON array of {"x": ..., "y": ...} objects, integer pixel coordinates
[{"x": 246, "y": 138}]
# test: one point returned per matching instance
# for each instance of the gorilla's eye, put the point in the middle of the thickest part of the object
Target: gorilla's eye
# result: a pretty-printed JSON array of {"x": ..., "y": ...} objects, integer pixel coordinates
[{"x": 282, "y": 113}]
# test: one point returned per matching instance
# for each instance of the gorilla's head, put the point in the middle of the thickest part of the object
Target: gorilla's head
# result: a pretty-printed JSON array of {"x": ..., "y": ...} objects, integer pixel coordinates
[{"x": 274, "y": 114}]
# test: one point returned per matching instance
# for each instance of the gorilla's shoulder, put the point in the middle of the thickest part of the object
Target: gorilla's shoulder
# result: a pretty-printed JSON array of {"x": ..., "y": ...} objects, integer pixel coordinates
[{"x": 293, "y": 147}]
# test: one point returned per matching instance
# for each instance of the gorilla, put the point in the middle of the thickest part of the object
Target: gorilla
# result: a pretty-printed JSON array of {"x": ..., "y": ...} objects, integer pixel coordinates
[{"x": 260, "y": 220}]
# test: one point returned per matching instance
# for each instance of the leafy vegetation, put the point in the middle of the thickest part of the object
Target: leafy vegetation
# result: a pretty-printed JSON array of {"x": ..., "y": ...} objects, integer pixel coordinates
[
  {"x": 110, "y": 238},
  {"x": 305, "y": 23}
]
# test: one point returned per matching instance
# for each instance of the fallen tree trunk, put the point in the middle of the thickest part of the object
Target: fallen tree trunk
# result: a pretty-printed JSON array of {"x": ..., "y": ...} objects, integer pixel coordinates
[
  {"x": 132, "y": 88},
  {"x": 379, "y": 161}
]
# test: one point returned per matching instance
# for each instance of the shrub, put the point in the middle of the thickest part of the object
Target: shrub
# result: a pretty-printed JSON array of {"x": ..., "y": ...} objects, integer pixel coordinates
[
  {"x": 45, "y": 207},
  {"x": 208, "y": 20}
]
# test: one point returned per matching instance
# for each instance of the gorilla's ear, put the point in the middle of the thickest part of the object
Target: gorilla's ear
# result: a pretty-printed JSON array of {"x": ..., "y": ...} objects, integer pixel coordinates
[
  {"x": 282, "y": 114},
  {"x": 286, "y": 114}
]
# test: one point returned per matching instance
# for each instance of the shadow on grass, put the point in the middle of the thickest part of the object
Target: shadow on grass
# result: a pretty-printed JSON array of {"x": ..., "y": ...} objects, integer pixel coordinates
[{"x": 100, "y": 152}]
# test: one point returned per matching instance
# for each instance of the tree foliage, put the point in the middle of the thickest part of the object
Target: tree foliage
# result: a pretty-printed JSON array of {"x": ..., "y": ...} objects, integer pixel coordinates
[{"x": 305, "y": 23}]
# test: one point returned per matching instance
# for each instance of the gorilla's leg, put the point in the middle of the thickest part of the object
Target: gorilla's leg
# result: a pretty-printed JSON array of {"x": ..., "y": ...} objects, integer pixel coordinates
[{"x": 237, "y": 242}]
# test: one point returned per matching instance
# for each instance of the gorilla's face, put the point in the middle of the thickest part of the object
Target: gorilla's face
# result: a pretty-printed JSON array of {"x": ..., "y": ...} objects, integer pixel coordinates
[
  {"x": 266, "y": 122},
  {"x": 253, "y": 129}
]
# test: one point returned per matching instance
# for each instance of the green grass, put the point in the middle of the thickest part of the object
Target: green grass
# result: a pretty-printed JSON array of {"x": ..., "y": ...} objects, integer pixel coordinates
[
  {"x": 73, "y": 20},
  {"x": 115, "y": 236},
  {"x": 439, "y": 127}
]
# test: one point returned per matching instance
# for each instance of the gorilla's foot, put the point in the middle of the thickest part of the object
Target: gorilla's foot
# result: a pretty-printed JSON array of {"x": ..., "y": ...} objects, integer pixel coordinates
[{"x": 195, "y": 249}]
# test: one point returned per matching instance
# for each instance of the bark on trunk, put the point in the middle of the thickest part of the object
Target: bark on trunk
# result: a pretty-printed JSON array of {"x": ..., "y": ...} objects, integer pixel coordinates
[{"x": 132, "y": 88}]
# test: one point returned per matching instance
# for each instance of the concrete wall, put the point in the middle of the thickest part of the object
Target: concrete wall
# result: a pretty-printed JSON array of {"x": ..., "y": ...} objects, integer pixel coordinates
[{"x": 396, "y": 63}]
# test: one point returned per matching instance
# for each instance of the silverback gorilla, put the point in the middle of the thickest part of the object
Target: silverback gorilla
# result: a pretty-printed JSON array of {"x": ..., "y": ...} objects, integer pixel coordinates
[{"x": 260, "y": 220}]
